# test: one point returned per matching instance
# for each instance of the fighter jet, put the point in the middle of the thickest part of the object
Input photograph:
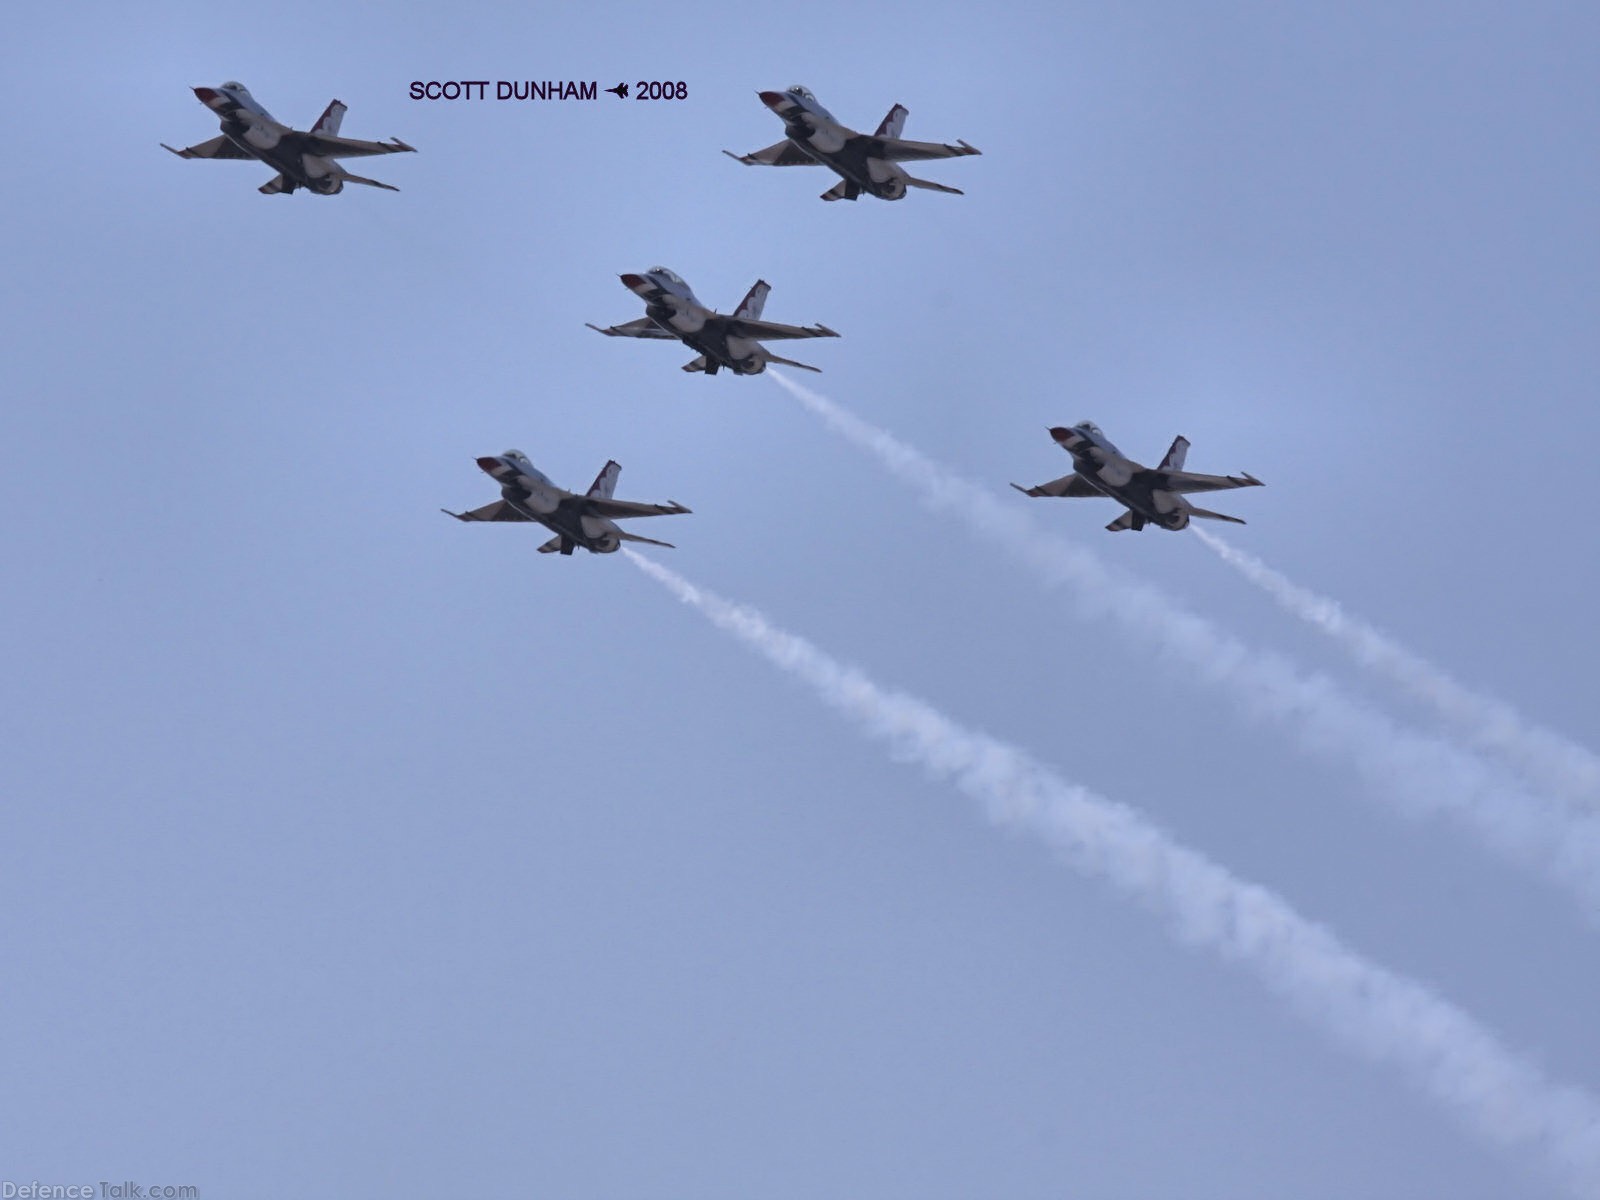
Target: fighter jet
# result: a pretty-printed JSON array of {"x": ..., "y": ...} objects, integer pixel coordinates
[
  {"x": 673, "y": 312},
  {"x": 586, "y": 520},
  {"x": 1152, "y": 497},
  {"x": 302, "y": 160},
  {"x": 813, "y": 137}
]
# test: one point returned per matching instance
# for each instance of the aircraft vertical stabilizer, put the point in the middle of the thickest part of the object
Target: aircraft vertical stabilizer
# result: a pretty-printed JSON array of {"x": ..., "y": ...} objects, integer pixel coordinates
[
  {"x": 1176, "y": 453},
  {"x": 754, "y": 301},
  {"x": 605, "y": 483},
  {"x": 893, "y": 123},
  {"x": 328, "y": 123}
]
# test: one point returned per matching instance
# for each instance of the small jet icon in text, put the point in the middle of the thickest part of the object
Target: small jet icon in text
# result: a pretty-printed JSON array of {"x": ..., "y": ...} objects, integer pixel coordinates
[{"x": 620, "y": 91}]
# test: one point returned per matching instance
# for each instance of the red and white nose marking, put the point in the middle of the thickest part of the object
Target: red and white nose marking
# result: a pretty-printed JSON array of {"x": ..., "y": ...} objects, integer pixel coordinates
[
  {"x": 1066, "y": 437},
  {"x": 636, "y": 283},
  {"x": 211, "y": 98},
  {"x": 775, "y": 100},
  {"x": 495, "y": 465}
]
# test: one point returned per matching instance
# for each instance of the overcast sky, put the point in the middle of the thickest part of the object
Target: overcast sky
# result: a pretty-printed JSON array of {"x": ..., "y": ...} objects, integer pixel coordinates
[{"x": 351, "y": 851}]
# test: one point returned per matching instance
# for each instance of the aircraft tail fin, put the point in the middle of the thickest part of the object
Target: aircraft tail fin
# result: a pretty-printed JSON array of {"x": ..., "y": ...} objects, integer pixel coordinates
[
  {"x": 754, "y": 301},
  {"x": 892, "y": 125},
  {"x": 332, "y": 116},
  {"x": 605, "y": 483},
  {"x": 1178, "y": 451},
  {"x": 1128, "y": 520},
  {"x": 843, "y": 190},
  {"x": 277, "y": 183}
]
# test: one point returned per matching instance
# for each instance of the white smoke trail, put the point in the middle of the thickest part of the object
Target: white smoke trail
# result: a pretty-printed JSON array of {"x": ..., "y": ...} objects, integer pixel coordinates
[
  {"x": 1440, "y": 1049},
  {"x": 1419, "y": 775},
  {"x": 1547, "y": 760}
]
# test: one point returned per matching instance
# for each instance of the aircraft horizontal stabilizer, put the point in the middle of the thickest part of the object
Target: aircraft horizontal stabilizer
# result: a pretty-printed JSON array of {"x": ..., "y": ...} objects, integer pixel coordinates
[
  {"x": 276, "y": 184},
  {"x": 349, "y": 178},
  {"x": 699, "y": 364},
  {"x": 789, "y": 362},
  {"x": 934, "y": 187},
  {"x": 1128, "y": 520},
  {"x": 1213, "y": 516},
  {"x": 634, "y": 537},
  {"x": 843, "y": 190}
]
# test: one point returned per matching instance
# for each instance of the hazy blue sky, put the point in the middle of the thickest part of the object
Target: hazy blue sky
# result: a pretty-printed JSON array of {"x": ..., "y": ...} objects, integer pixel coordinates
[{"x": 350, "y": 851}]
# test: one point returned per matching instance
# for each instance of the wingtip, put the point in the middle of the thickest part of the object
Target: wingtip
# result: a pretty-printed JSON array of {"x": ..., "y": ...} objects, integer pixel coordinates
[
  {"x": 170, "y": 150},
  {"x": 402, "y": 145},
  {"x": 968, "y": 147}
]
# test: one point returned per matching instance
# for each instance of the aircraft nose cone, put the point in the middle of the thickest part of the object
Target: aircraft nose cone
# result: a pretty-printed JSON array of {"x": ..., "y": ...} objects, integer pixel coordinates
[
  {"x": 490, "y": 464},
  {"x": 1061, "y": 433},
  {"x": 206, "y": 95},
  {"x": 634, "y": 282},
  {"x": 772, "y": 99}
]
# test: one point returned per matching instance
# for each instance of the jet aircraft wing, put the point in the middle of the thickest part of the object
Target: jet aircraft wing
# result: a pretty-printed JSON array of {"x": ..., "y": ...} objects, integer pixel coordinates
[
  {"x": 644, "y": 327},
  {"x": 779, "y": 154},
  {"x": 600, "y": 506},
  {"x": 217, "y": 147},
  {"x": 1188, "y": 481},
  {"x": 763, "y": 331},
  {"x": 498, "y": 511},
  {"x": 326, "y": 146},
  {"x": 1067, "y": 485},
  {"x": 899, "y": 150}
]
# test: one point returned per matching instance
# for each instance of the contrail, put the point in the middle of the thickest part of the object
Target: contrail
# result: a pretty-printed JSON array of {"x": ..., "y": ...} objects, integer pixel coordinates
[
  {"x": 1547, "y": 760},
  {"x": 1439, "y": 1048},
  {"x": 1420, "y": 775}
]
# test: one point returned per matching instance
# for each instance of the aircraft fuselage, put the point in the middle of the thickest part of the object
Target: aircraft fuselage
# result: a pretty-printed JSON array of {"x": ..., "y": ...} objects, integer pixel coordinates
[
  {"x": 709, "y": 339},
  {"x": 850, "y": 162},
  {"x": 536, "y": 498},
  {"x": 287, "y": 156},
  {"x": 1091, "y": 457}
]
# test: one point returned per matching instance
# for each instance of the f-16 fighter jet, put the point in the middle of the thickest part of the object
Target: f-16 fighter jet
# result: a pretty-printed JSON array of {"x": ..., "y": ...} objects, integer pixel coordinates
[
  {"x": 302, "y": 160},
  {"x": 1153, "y": 497},
  {"x": 673, "y": 312},
  {"x": 812, "y": 137},
  {"x": 587, "y": 520}
]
